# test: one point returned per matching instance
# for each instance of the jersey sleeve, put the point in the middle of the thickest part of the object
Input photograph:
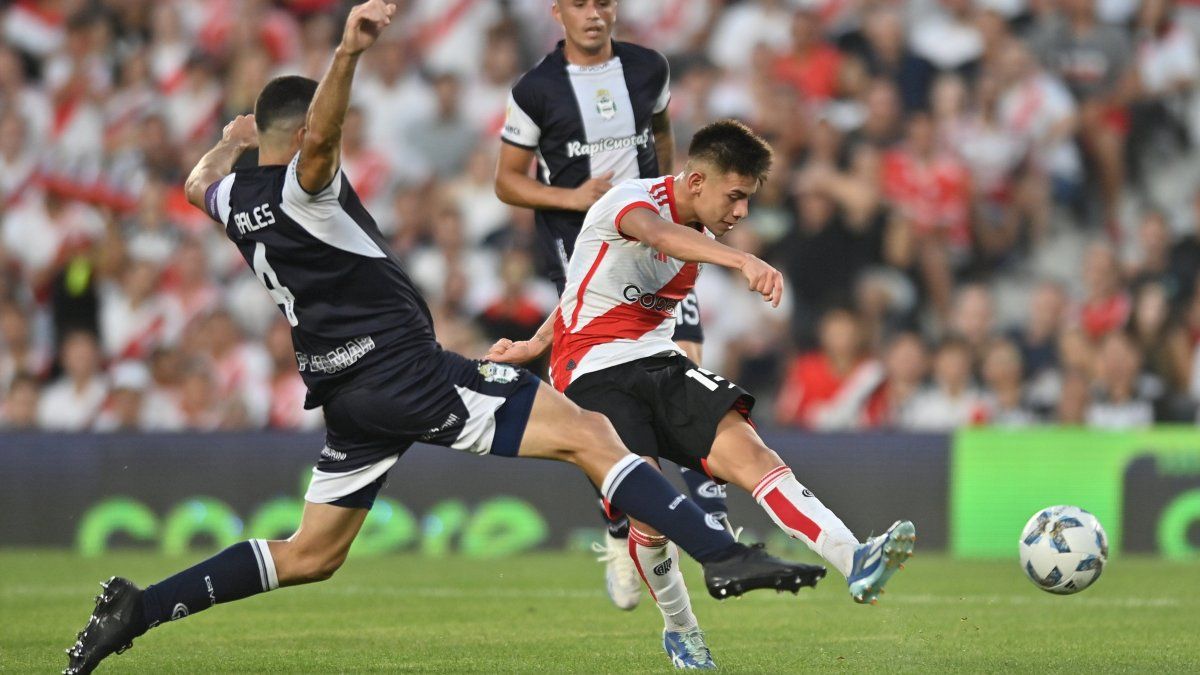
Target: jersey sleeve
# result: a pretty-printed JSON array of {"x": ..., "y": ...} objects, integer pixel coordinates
[
  {"x": 520, "y": 128},
  {"x": 664, "y": 94},
  {"x": 216, "y": 199},
  {"x": 614, "y": 206},
  {"x": 316, "y": 205}
]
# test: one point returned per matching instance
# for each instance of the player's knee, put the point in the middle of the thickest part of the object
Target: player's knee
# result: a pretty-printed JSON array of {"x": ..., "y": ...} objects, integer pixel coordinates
[
  {"x": 304, "y": 566},
  {"x": 597, "y": 436}
]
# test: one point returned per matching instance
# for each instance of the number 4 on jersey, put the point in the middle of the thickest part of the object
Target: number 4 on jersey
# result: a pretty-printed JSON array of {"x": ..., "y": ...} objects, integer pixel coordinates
[{"x": 279, "y": 293}]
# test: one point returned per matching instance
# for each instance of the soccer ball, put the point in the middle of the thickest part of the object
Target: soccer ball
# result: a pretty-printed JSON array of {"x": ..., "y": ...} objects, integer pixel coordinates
[{"x": 1063, "y": 549}]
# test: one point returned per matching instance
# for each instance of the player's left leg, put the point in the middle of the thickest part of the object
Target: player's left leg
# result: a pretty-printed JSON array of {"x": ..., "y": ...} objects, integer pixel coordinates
[
  {"x": 740, "y": 456},
  {"x": 124, "y": 612},
  {"x": 689, "y": 335}
]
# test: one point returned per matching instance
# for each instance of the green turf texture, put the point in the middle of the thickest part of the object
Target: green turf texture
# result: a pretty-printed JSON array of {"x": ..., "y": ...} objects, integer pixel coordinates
[{"x": 548, "y": 612}]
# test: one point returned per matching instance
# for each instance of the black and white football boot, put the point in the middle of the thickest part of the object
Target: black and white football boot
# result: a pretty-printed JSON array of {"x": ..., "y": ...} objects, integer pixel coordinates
[
  {"x": 115, "y": 622},
  {"x": 751, "y": 568}
]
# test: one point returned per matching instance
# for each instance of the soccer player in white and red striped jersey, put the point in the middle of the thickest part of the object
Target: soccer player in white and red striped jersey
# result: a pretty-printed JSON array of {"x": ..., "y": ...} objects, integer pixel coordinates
[{"x": 637, "y": 255}]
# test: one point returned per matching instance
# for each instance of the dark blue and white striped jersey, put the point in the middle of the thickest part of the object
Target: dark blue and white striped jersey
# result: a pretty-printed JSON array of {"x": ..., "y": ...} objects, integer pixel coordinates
[
  {"x": 355, "y": 314},
  {"x": 582, "y": 121}
]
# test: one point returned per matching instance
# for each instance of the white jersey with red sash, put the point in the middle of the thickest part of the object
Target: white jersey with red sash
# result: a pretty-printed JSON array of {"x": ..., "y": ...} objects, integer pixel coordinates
[{"x": 620, "y": 297}]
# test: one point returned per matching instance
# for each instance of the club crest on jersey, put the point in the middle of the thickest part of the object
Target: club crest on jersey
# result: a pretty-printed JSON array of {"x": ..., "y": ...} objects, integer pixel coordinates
[
  {"x": 498, "y": 372},
  {"x": 605, "y": 104}
]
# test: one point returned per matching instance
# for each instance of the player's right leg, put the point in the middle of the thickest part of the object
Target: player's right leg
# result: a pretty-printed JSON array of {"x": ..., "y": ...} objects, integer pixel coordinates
[
  {"x": 559, "y": 429},
  {"x": 124, "y": 612},
  {"x": 740, "y": 456}
]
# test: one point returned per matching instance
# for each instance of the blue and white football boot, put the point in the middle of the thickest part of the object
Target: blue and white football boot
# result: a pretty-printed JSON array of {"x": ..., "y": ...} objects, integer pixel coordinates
[
  {"x": 687, "y": 650},
  {"x": 878, "y": 558}
]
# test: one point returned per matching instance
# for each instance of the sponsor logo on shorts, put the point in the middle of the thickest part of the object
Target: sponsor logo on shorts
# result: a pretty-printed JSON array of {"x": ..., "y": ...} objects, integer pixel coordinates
[
  {"x": 450, "y": 421},
  {"x": 498, "y": 372},
  {"x": 333, "y": 455},
  {"x": 663, "y": 567},
  {"x": 179, "y": 612},
  {"x": 806, "y": 492},
  {"x": 651, "y": 301}
]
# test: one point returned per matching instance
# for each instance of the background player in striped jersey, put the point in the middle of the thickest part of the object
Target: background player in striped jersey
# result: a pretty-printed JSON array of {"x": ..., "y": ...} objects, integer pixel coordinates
[
  {"x": 637, "y": 255},
  {"x": 594, "y": 111}
]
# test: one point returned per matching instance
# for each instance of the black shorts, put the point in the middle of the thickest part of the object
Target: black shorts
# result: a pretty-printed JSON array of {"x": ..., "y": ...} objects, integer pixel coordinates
[
  {"x": 475, "y": 406},
  {"x": 662, "y": 406}
]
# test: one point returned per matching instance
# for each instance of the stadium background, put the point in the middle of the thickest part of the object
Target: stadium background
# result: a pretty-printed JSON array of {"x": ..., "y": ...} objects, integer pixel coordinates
[{"x": 987, "y": 225}]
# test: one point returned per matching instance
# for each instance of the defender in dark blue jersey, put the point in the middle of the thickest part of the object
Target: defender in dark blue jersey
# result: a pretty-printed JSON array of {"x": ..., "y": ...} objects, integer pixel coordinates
[
  {"x": 365, "y": 345},
  {"x": 593, "y": 113}
]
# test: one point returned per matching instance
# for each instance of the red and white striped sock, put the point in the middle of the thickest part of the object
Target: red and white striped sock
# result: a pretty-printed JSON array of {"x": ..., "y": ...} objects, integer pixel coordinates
[
  {"x": 657, "y": 560},
  {"x": 796, "y": 511}
]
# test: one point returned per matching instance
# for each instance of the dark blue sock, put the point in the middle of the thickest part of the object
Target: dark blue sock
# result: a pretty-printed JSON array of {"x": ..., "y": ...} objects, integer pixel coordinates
[
  {"x": 707, "y": 493},
  {"x": 640, "y": 490},
  {"x": 239, "y": 571},
  {"x": 615, "y": 522}
]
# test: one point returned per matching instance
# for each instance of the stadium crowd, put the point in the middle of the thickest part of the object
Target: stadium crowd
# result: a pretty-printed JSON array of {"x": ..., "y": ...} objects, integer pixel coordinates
[{"x": 987, "y": 211}]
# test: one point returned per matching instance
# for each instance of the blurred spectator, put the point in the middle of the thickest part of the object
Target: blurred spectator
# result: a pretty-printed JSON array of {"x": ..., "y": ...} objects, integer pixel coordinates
[
  {"x": 745, "y": 25},
  {"x": 972, "y": 320},
  {"x": 930, "y": 191},
  {"x": 18, "y": 161},
  {"x": 1094, "y": 61},
  {"x": 1107, "y": 305},
  {"x": 124, "y": 410},
  {"x": 444, "y": 140},
  {"x": 287, "y": 388},
  {"x": 1167, "y": 68},
  {"x": 134, "y": 319},
  {"x": 19, "y": 408},
  {"x": 811, "y": 66},
  {"x": 1164, "y": 346},
  {"x": 1037, "y": 340},
  {"x": 1037, "y": 108},
  {"x": 20, "y": 354},
  {"x": 829, "y": 389},
  {"x": 368, "y": 169},
  {"x": 947, "y": 36},
  {"x": 905, "y": 366},
  {"x": 240, "y": 371},
  {"x": 952, "y": 401},
  {"x": 1005, "y": 400},
  {"x": 886, "y": 54},
  {"x": 1122, "y": 399},
  {"x": 72, "y": 402}
]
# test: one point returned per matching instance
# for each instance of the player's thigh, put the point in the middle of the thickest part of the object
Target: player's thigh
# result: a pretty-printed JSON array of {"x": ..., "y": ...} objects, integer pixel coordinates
[
  {"x": 738, "y": 454},
  {"x": 559, "y": 429}
]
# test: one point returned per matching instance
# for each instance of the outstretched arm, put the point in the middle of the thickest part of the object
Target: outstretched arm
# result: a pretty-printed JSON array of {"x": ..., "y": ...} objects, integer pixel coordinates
[
  {"x": 684, "y": 243},
  {"x": 320, "y": 152},
  {"x": 507, "y": 351},
  {"x": 237, "y": 137}
]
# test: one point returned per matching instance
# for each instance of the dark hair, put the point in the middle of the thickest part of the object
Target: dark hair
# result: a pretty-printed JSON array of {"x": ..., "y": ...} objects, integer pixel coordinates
[
  {"x": 283, "y": 97},
  {"x": 731, "y": 147}
]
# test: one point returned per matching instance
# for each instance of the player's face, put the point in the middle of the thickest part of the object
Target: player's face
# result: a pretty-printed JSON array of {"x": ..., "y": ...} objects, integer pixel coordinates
[
  {"x": 721, "y": 200},
  {"x": 588, "y": 24}
]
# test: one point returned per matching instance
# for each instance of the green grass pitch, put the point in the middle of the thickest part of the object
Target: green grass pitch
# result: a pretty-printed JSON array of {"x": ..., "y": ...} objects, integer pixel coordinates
[{"x": 548, "y": 612}]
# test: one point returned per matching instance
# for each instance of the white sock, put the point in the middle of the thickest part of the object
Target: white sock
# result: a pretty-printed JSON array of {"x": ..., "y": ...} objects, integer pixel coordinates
[
  {"x": 796, "y": 511},
  {"x": 657, "y": 561}
]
